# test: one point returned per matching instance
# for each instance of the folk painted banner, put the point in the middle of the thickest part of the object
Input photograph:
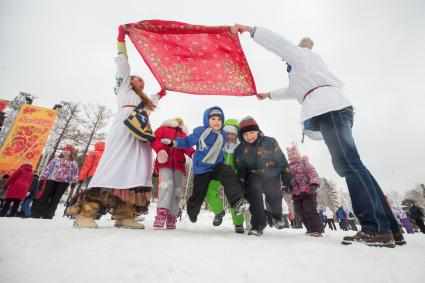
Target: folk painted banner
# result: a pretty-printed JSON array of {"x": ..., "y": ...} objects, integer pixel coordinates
[
  {"x": 27, "y": 138},
  {"x": 192, "y": 58}
]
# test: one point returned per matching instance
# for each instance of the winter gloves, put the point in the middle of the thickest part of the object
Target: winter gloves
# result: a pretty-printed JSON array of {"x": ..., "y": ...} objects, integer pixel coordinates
[
  {"x": 121, "y": 48},
  {"x": 168, "y": 142},
  {"x": 121, "y": 33},
  {"x": 312, "y": 188},
  {"x": 162, "y": 156}
]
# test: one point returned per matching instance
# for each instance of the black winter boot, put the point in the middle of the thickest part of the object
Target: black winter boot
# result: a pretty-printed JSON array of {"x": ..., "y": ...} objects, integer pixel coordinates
[
  {"x": 218, "y": 218},
  {"x": 239, "y": 229},
  {"x": 255, "y": 232}
]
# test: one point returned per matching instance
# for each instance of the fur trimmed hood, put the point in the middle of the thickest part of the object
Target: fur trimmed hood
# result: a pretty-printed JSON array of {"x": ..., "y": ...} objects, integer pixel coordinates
[{"x": 174, "y": 124}]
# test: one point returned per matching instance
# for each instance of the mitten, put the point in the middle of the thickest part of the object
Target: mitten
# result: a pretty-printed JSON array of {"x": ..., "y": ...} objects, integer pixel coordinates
[
  {"x": 162, "y": 156},
  {"x": 167, "y": 142},
  {"x": 121, "y": 34}
]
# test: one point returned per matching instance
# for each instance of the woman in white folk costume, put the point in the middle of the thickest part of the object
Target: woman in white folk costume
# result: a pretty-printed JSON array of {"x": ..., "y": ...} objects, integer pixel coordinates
[{"x": 122, "y": 181}]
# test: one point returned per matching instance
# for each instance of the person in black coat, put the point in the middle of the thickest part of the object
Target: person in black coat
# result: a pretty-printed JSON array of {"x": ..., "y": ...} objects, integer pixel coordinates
[
  {"x": 417, "y": 215},
  {"x": 262, "y": 169}
]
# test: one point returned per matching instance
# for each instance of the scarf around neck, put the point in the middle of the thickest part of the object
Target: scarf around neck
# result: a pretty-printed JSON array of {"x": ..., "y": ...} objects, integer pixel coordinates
[
  {"x": 213, "y": 153},
  {"x": 230, "y": 147}
]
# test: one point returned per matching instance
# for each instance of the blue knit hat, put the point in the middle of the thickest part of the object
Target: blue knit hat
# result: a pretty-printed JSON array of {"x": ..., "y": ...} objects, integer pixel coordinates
[{"x": 215, "y": 113}]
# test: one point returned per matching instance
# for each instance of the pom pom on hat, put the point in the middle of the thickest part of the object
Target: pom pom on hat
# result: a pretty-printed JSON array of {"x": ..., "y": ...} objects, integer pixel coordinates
[{"x": 293, "y": 150}]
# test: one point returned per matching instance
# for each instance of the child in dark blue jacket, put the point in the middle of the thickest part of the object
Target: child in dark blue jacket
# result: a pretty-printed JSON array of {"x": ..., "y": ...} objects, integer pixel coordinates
[{"x": 208, "y": 163}]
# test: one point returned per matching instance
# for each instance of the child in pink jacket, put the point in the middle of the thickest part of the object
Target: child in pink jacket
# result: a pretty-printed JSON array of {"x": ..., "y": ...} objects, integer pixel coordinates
[{"x": 304, "y": 183}]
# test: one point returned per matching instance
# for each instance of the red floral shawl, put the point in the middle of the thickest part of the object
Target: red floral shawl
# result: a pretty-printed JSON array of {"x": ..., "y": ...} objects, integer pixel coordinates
[{"x": 193, "y": 59}]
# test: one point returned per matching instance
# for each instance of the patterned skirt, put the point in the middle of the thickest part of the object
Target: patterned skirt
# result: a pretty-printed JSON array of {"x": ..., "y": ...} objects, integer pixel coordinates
[{"x": 138, "y": 197}]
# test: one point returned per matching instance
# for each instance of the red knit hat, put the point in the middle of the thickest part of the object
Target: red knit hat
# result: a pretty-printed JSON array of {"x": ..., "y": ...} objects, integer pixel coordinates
[{"x": 69, "y": 148}]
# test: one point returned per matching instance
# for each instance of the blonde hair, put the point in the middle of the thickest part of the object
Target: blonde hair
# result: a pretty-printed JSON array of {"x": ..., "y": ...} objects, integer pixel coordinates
[{"x": 306, "y": 42}]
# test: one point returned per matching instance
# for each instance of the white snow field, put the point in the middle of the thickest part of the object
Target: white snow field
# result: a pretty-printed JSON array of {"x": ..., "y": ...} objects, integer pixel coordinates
[{"x": 37, "y": 250}]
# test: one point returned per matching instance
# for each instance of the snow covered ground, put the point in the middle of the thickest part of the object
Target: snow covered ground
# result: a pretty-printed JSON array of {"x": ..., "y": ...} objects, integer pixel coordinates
[{"x": 36, "y": 250}]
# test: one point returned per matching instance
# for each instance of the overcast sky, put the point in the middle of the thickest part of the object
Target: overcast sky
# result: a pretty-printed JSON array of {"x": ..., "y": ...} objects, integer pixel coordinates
[{"x": 63, "y": 50}]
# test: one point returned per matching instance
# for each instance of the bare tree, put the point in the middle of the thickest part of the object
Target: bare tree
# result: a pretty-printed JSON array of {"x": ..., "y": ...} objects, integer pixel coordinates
[
  {"x": 96, "y": 118},
  {"x": 70, "y": 129},
  {"x": 416, "y": 194}
]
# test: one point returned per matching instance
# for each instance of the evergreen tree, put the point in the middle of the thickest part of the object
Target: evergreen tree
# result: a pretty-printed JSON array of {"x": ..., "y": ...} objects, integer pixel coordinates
[{"x": 327, "y": 195}]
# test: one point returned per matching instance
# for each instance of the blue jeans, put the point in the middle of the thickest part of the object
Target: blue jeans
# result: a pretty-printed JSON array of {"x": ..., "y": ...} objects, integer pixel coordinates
[
  {"x": 25, "y": 206},
  {"x": 367, "y": 198}
]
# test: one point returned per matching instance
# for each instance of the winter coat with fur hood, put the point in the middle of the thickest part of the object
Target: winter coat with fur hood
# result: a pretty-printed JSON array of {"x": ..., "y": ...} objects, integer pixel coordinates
[
  {"x": 91, "y": 161},
  {"x": 19, "y": 183},
  {"x": 171, "y": 130}
]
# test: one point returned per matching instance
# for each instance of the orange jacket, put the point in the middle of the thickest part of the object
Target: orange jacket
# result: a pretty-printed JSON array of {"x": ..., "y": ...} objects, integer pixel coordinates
[{"x": 91, "y": 161}]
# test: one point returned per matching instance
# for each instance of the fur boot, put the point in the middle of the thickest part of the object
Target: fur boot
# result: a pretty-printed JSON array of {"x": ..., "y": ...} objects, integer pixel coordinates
[
  {"x": 124, "y": 215},
  {"x": 86, "y": 214}
]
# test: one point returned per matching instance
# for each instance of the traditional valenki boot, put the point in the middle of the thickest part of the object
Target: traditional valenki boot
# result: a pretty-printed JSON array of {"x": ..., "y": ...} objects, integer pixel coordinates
[
  {"x": 86, "y": 214},
  {"x": 124, "y": 215},
  {"x": 160, "y": 218},
  {"x": 171, "y": 222}
]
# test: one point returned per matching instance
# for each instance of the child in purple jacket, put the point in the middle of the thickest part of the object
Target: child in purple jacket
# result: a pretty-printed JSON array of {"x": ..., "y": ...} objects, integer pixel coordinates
[{"x": 304, "y": 183}]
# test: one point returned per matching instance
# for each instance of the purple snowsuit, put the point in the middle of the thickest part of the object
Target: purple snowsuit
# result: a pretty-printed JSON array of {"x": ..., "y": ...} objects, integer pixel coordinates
[{"x": 303, "y": 178}]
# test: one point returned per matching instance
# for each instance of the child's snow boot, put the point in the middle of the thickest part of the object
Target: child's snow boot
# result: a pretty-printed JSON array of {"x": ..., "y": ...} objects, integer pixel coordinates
[
  {"x": 255, "y": 232},
  {"x": 160, "y": 218},
  {"x": 279, "y": 224},
  {"x": 171, "y": 222},
  {"x": 239, "y": 229},
  {"x": 314, "y": 234},
  {"x": 218, "y": 218}
]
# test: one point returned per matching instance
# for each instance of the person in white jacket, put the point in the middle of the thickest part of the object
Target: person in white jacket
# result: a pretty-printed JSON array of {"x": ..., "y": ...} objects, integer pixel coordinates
[
  {"x": 330, "y": 218},
  {"x": 123, "y": 178},
  {"x": 327, "y": 114}
]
